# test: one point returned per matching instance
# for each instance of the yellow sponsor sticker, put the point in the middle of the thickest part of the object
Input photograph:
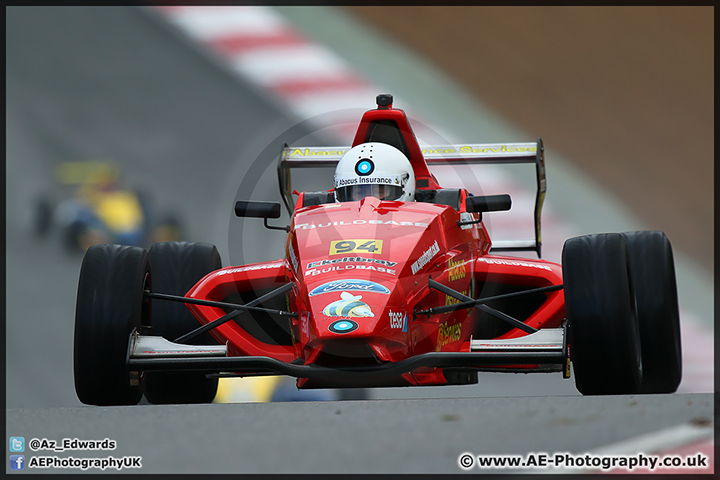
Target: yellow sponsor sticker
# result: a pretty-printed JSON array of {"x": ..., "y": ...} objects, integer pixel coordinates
[
  {"x": 342, "y": 247},
  {"x": 457, "y": 269},
  {"x": 448, "y": 334}
]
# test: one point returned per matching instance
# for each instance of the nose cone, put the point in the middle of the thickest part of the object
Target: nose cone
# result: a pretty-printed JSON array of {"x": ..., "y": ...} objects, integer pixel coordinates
[
  {"x": 355, "y": 322},
  {"x": 348, "y": 308}
]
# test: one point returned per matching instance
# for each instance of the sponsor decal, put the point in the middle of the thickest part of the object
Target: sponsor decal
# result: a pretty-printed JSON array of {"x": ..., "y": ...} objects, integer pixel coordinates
[
  {"x": 338, "y": 268},
  {"x": 425, "y": 257},
  {"x": 466, "y": 217},
  {"x": 264, "y": 266},
  {"x": 293, "y": 258},
  {"x": 398, "y": 320},
  {"x": 349, "y": 305},
  {"x": 340, "y": 247},
  {"x": 323, "y": 263},
  {"x": 364, "y": 167},
  {"x": 349, "y": 285},
  {"x": 343, "y": 326},
  {"x": 458, "y": 269},
  {"x": 315, "y": 152},
  {"x": 453, "y": 301},
  {"x": 304, "y": 320},
  {"x": 479, "y": 149},
  {"x": 390, "y": 180},
  {"x": 448, "y": 334},
  {"x": 343, "y": 223},
  {"x": 496, "y": 261},
  {"x": 344, "y": 182},
  {"x": 376, "y": 180}
]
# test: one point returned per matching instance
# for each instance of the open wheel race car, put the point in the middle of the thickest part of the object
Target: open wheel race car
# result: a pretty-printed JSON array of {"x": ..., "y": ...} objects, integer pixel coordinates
[
  {"x": 89, "y": 204},
  {"x": 375, "y": 293}
]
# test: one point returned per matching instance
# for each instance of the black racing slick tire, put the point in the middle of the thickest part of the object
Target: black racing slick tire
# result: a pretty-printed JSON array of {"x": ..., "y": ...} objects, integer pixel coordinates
[
  {"x": 653, "y": 276},
  {"x": 603, "y": 330},
  {"x": 177, "y": 267},
  {"x": 110, "y": 305}
]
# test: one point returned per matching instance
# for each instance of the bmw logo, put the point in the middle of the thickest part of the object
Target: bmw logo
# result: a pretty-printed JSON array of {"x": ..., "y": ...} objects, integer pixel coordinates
[
  {"x": 364, "y": 167},
  {"x": 343, "y": 326}
]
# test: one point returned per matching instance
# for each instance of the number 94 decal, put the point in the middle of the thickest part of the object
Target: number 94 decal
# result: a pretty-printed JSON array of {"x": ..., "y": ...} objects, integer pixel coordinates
[{"x": 340, "y": 247}]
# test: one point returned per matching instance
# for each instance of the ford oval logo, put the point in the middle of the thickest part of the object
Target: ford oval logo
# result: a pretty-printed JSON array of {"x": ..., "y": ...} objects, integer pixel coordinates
[{"x": 349, "y": 285}]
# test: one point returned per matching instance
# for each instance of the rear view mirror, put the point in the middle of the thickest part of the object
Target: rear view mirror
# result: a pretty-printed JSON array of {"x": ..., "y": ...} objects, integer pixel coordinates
[
  {"x": 488, "y": 203},
  {"x": 245, "y": 208}
]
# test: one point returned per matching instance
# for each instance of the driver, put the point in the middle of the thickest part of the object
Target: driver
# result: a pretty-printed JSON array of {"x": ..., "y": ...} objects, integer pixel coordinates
[{"x": 374, "y": 170}]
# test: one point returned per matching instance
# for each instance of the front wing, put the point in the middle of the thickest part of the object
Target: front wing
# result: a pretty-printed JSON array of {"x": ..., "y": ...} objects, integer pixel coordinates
[{"x": 546, "y": 347}]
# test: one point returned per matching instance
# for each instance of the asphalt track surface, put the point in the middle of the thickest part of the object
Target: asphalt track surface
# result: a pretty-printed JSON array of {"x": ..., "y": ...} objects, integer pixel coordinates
[
  {"x": 377, "y": 436},
  {"x": 185, "y": 130}
]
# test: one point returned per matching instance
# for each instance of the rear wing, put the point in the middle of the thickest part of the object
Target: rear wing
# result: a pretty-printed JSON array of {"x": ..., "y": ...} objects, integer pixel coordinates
[
  {"x": 464, "y": 154},
  {"x": 82, "y": 172}
]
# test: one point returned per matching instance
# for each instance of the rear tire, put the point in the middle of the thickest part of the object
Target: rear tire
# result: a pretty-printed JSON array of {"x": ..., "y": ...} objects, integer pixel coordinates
[
  {"x": 653, "y": 276},
  {"x": 603, "y": 331},
  {"x": 169, "y": 229},
  {"x": 110, "y": 304},
  {"x": 177, "y": 267}
]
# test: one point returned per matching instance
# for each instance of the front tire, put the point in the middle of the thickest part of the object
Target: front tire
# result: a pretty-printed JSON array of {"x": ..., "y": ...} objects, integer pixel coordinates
[
  {"x": 603, "y": 334},
  {"x": 177, "y": 267},
  {"x": 110, "y": 305},
  {"x": 653, "y": 277}
]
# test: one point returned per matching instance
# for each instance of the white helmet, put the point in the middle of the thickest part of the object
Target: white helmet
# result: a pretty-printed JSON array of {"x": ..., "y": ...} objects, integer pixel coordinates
[{"x": 374, "y": 170}]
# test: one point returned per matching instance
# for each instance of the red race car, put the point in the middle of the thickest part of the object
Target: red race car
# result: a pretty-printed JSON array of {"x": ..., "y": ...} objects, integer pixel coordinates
[{"x": 389, "y": 279}]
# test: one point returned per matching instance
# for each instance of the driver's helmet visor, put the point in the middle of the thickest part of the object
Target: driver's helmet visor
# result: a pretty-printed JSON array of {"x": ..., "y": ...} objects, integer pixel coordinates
[{"x": 358, "y": 192}]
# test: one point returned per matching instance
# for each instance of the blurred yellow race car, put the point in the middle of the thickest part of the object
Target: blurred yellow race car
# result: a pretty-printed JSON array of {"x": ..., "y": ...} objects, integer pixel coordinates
[{"x": 90, "y": 206}]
